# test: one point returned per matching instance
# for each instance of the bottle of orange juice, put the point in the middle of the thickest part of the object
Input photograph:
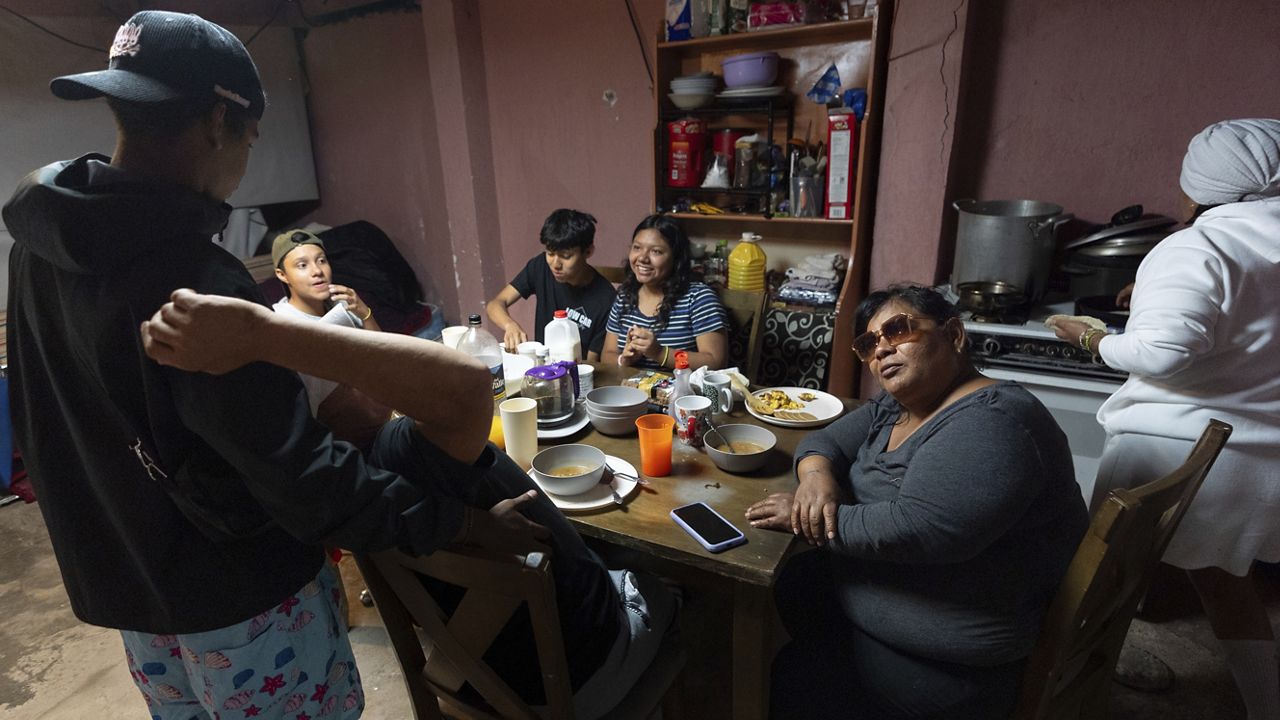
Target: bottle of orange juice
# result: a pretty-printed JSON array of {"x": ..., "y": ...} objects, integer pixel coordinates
[{"x": 495, "y": 433}]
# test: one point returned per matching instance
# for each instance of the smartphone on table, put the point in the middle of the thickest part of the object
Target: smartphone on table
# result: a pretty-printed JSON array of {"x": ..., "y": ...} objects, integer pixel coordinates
[{"x": 706, "y": 526}]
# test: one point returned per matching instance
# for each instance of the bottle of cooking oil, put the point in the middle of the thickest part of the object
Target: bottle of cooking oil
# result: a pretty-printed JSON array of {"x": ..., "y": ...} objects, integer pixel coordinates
[{"x": 747, "y": 264}]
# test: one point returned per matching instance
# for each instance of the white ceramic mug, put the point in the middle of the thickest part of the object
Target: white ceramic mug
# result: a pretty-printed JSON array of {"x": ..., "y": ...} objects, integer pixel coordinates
[
  {"x": 586, "y": 380},
  {"x": 715, "y": 386},
  {"x": 520, "y": 429},
  {"x": 692, "y": 412}
]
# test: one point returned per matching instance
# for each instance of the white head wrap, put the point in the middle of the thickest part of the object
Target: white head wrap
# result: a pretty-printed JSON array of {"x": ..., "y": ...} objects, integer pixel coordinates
[{"x": 1233, "y": 160}]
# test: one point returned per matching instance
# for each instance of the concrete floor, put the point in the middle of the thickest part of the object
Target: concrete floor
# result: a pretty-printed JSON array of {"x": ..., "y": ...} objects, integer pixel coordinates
[{"x": 53, "y": 667}]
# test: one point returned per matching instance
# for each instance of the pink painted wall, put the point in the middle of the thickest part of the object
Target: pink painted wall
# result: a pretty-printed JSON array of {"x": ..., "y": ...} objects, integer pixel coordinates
[
  {"x": 917, "y": 141},
  {"x": 557, "y": 140},
  {"x": 372, "y": 129},
  {"x": 1086, "y": 104}
]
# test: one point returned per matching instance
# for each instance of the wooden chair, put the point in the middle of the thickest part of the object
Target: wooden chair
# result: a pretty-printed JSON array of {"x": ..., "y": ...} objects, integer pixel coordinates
[
  {"x": 746, "y": 318},
  {"x": 1069, "y": 672},
  {"x": 613, "y": 274},
  {"x": 496, "y": 586}
]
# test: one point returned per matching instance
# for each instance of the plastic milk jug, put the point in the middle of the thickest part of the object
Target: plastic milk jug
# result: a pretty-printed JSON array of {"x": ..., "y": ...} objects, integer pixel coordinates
[
  {"x": 746, "y": 264},
  {"x": 480, "y": 344},
  {"x": 562, "y": 338}
]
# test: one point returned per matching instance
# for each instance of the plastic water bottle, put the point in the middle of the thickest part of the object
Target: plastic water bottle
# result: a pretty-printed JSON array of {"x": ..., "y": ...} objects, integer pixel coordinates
[
  {"x": 746, "y": 264},
  {"x": 717, "y": 267},
  {"x": 562, "y": 338},
  {"x": 680, "y": 384},
  {"x": 480, "y": 344}
]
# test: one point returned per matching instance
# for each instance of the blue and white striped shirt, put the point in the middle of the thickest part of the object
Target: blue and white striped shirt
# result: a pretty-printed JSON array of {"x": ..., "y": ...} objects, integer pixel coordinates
[{"x": 697, "y": 313}]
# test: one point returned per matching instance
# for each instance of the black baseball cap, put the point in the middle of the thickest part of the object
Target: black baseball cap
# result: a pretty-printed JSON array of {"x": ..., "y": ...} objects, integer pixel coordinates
[{"x": 160, "y": 57}]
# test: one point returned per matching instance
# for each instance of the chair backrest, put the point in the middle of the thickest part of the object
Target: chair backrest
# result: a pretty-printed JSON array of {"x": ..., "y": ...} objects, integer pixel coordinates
[
  {"x": 495, "y": 586},
  {"x": 1069, "y": 673},
  {"x": 746, "y": 320},
  {"x": 611, "y": 273}
]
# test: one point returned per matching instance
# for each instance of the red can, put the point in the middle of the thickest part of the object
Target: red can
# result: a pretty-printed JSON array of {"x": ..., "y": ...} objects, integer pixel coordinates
[{"x": 686, "y": 140}]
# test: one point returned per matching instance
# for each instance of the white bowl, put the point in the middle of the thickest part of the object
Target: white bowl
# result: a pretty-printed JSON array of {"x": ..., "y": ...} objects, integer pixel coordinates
[
  {"x": 613, "y": 398},
  {"x": 739, "y": 462},
  {"x": 595, "y": 412},
  {"x": 585, "y": 457},
  {"x": 690, "y": 102},
  {"x": 614, "y": 426}
]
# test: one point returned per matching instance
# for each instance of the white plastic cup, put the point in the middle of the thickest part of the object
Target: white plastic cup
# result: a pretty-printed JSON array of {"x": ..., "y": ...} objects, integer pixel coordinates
[
  {"x": 452, "y": 334},
  {"x": 520, "y": 429},
  {"x": 586, "y": 379}
]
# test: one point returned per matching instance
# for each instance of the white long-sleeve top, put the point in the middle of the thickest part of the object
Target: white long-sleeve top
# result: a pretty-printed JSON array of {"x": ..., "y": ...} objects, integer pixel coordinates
[{"x": 1203, "y": 336}]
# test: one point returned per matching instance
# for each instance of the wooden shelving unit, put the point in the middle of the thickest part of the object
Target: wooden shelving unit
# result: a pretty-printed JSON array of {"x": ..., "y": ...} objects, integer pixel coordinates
[{"x": 859, "y": 48}]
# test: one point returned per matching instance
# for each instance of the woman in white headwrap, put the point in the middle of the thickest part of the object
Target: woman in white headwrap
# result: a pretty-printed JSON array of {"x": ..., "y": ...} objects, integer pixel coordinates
[{"x": 1203, "y": 341}]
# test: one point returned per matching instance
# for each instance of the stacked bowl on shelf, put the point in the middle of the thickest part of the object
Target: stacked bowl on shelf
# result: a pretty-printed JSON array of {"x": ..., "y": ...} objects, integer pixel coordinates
[
  {"x": 613, "y": 410},
  {"x": 689, "y": 92},
  {"x": 751, "y": 75}
]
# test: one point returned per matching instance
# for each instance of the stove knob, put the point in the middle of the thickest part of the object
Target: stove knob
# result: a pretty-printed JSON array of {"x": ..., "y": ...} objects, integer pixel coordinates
[
  {"x": 991, "y": 346},
  {"x": 1051, "y": 350},
  {"x": 1029, "y": 348},
  {"x": 1069, "y": 353}
]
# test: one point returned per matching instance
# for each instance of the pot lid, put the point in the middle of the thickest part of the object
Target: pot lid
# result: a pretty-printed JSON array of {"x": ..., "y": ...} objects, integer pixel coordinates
[
  {"x": 1124, "y": 245},
  {"x": 1147, "y": 222}
]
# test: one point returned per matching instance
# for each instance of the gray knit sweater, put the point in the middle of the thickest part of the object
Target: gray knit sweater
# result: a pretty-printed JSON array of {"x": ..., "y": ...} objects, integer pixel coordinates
[{"x": 957, "y": 539}]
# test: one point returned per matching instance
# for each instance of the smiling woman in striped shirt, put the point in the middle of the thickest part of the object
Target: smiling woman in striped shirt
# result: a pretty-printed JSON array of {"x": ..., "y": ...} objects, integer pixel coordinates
[{"x": 659, "y": 309}]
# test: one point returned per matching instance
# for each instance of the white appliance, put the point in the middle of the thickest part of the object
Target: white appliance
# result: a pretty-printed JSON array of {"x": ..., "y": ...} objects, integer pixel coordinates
[{"x": 1070, "y": 383}]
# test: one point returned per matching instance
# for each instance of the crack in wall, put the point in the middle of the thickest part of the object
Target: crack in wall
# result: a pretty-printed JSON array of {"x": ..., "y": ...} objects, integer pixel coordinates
[{"x": 946, "y": 89}]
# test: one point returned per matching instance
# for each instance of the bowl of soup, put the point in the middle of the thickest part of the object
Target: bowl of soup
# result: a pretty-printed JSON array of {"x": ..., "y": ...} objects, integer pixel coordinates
[
  {"x": 568, "y": 469},
  {"x": 751, "y": 446}
]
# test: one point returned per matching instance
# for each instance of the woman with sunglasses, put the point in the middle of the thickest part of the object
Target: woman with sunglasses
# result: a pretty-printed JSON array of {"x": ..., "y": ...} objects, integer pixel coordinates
[
  {"x": 1202, "y": 342},
  {"x": 946, "y": 511}
]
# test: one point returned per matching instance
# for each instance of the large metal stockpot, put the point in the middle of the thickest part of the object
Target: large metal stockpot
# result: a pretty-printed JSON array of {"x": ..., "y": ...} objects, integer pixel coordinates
[{"x": 1008, "y": 241}]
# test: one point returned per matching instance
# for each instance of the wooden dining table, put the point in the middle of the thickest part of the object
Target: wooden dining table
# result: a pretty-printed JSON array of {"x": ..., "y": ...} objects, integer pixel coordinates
[{"x": 740, "y": 578}]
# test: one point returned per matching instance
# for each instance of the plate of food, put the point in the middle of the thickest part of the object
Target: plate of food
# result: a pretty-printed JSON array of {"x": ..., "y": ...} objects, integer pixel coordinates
[{"x": 794, "y": 406}]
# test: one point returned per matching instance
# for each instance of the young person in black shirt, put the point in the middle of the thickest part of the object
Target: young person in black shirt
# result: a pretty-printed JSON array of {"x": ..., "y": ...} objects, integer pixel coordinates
[{"x": 563, "y": 280}]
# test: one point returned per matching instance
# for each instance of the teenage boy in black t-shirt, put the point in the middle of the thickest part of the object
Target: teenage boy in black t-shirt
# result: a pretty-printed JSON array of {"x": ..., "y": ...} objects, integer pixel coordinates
[{"x": 562, "y": 280}]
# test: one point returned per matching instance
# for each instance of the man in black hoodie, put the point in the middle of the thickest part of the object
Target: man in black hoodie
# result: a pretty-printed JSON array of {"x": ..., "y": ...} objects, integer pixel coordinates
[{"x": 185, "y": 509}]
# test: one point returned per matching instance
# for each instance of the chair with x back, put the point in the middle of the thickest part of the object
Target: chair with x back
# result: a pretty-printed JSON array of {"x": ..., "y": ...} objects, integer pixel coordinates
[
  {"x": 496, "y": 586},
  {"x": 1069, "y": 672}
]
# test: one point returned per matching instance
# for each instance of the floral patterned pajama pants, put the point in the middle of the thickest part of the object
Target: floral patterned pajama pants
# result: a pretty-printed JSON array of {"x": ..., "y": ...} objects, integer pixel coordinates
[{"x": 292, "y": 662}]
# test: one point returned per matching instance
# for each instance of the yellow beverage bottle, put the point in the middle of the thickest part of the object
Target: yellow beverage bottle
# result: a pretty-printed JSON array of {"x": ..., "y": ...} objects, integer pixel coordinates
[{"x": 747, "y": 264}]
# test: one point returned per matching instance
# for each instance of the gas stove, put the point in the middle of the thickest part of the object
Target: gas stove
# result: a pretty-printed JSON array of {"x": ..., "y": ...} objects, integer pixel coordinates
[{"x": 1029, "y": 345}]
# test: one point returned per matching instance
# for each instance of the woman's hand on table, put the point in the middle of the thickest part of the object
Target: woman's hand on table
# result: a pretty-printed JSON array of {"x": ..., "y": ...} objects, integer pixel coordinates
[
  {"x": 813, "y": 513},
  {"x": 772, "y": 513}
]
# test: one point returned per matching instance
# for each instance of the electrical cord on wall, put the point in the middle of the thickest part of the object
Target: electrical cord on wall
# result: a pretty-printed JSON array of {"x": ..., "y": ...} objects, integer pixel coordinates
[
  {"x": 264, "y": 25},
  {"x": 635, "y": 26},
  {"x": 44, "y": 29}
]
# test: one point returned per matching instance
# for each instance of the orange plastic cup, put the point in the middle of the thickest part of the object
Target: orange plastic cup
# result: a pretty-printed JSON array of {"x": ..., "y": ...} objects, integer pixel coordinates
[{"x": 655, "y": 444}]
